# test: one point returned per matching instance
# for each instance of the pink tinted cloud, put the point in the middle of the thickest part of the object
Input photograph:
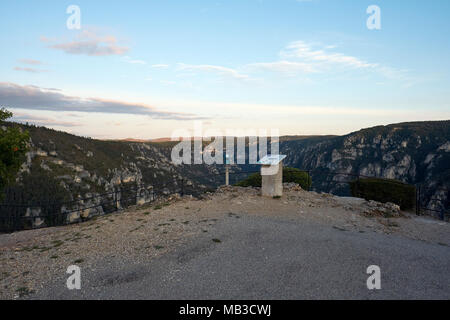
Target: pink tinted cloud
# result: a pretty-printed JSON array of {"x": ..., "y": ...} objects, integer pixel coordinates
[
  {"x": 36, "y": 98},
  {"x": 30, "y": 70},
  {"x": 88, "y": 42},
  {"x": 31, "y": 62}
]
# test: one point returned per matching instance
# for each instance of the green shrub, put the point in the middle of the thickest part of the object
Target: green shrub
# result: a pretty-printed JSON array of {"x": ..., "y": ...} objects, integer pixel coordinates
[
  {"x": 13, "y": 146},
  {"x": 385, "y": 190},
  {"x": 289, "y": 175},
  {"x": 297, "y": 176},
  {"x": 254, "y": 180}
]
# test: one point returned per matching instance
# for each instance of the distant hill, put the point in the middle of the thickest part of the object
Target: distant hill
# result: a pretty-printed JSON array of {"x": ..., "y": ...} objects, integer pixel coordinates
[{"x": 157, "y": 140}]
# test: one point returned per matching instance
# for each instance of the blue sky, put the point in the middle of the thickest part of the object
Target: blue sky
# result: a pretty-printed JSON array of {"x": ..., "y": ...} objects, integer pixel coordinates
[{"x": 143, "y": 69}]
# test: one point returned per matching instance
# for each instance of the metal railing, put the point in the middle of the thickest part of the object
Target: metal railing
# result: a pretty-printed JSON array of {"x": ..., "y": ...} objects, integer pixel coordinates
[
  {"x": 33, "y": 215},
  {"x": 432, "y": 206},
  {"x": 424, "y": 205},
  {"x": 19, "y": 216}
]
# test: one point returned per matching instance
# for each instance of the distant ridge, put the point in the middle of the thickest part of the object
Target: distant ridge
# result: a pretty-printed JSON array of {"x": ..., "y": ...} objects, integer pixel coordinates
[{"x": 164, "y": 139}]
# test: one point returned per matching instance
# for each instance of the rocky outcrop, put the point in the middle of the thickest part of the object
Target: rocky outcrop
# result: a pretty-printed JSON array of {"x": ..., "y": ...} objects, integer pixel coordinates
[{"x": 414, "y": 153}]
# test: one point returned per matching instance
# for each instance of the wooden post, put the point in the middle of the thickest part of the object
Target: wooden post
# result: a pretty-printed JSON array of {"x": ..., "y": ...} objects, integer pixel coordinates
[
  {"x": 227, "y": 169},
  {"x": 227, "y": 175},
  {"x": 418, "y": 200}
]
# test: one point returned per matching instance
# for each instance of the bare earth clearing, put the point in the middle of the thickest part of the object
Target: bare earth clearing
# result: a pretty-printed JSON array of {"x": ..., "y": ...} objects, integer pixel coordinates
[{"x": 33, "y": 263}]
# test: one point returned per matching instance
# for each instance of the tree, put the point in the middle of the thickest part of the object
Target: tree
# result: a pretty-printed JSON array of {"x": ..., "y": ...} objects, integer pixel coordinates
[{"x": 13, "y": 146}]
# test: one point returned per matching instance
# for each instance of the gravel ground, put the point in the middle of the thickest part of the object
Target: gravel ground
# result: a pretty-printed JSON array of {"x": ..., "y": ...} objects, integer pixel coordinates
[{"x": 213, "y": 248}]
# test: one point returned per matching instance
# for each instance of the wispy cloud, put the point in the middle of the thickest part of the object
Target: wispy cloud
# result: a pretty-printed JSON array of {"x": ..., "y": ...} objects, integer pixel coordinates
[
  {"x": 167, "y": 82},
  {"x": 35, "y": 98},
  {"x": 286, "y": 67},
  {"x": 31, "y": 62},
  {"x": 300, "y": 57},
  {"x": 89, "y": 42},
  {"x": 27, "y": 118},
  {"x": 304, "y": 51},
  {"x": 30, "y": 70},
  {"x": 223, "y": 71},
  {"x": 128, "y": 59},
  {"x": 160, "y": 66}
]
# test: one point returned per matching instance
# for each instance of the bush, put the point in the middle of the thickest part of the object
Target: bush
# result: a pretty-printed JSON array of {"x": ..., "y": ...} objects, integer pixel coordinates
[
  {"x": 289, "y": 175},
  {"x": 254, "y": 180},
  {"x": 13, "y": 146},
  {"x": 385, "y": 190},
  {"x": 297, "y": 176}
]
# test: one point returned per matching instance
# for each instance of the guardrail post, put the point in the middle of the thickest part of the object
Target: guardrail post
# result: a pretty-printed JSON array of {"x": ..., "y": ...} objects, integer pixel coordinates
[
  {"x": 182, "y": 187},
  {"x": 309, "y": 179},
  {"x": 418, "y": 200},
  {"x": 138, "y": 193},
  {"x": 227, "y": 175},
  {"x": 116, "y": 199},
  {"x": 357, "y": 186}
]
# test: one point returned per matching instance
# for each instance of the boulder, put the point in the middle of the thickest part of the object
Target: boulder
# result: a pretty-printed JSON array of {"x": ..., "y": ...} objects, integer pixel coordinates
[{"x": 387, "y": 210}]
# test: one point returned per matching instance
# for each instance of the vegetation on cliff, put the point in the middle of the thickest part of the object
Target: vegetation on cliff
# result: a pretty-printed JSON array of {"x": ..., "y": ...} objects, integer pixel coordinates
[
  {"x": 13, "y": 146},
  {"x": 289, "y": 175}
]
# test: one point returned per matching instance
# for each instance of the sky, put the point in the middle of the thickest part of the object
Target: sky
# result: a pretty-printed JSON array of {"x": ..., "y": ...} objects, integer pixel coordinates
[{"x": 145, "y": 69}]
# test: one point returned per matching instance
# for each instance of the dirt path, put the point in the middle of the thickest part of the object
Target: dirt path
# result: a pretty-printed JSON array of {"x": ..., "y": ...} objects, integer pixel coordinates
[{"x": 32, "y": 259}]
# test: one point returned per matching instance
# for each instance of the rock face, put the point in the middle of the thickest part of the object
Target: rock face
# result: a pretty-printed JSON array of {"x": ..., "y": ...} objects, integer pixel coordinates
[
  {"x": 415, "y": 153},
  {"x": 88, "y": 177}
]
